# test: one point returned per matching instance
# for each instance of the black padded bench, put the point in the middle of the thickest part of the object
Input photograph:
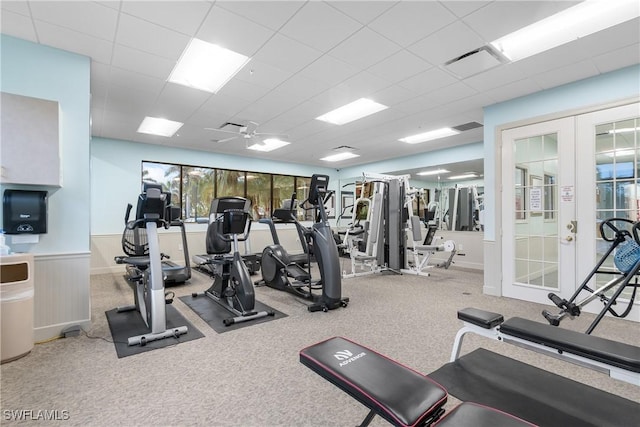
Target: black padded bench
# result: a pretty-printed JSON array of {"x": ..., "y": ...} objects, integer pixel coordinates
[
  {"x": 619, "y": 360},
  {"x": 393, "y": 391}
]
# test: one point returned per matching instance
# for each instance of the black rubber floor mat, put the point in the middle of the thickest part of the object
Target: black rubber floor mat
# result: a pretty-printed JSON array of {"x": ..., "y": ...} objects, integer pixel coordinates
[
  {"x": 213, "y": 314},
  {"x": 129, "y": 323}
]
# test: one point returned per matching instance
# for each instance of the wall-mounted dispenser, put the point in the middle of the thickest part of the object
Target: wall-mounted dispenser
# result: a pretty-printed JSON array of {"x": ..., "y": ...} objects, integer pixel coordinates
[{"x": 24, "y": 212}]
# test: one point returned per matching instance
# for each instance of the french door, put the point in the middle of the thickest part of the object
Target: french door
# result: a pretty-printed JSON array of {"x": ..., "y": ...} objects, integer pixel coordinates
[{"x": 561, "y": 178}]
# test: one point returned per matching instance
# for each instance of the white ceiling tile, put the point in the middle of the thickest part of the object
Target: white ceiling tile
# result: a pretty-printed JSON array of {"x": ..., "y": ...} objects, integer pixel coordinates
[
  {"x": 513, "y": 90},
  {"x": 362, "y": 11},
  {"x": 495, "y": 77},
  {"x": 399, "y": 66},
  {"x": 260, "y": 74},
  {"x": 136, "y": 103},
  {"x": 409, "y": 21},
  {"x": 459, "y": 40},
  {"x": 329, "y": 69},
  {"x": 271, "y": 14},
  {"x": 361, "y": 85},
  {"x": 393, "y": 95},
  {"x": 81, "y": 16},
  {"x": 617, "y": 59},
  {"x": 113, "y": 4},
  {"x": 151, "y": 38},
  {"x": 178, "y": 102},
  {"x": 319, "y": 26},
  {"x": 286, "y": 54},
  {"x": 183, "y": 16},
  {"x": 502, "y": 17},
  {"x": 427, "y": 81},
  {"x": 217, "y": 110},
  {"x": 464, "y": 8},
  {"x": 302, "y": 87},
  {"x": 557, "y": 57},
  {"x": 19, "y": 7},
  {"x": 452, "y": 93},
  {"x": 566, "y": 74},
  {"x": 141, "y": 62},
  {"x": 244, "y": 90},
  {"x": 604, "y": 41},
  {"x": 352, "y": 52},
  {"x": 416, "y": 104},
  {"x": 130, "y": 79},
  {"x": 17, "y": 25},
  {"x": 233, "y": 32},
  {"x": 66, "y": 39}
]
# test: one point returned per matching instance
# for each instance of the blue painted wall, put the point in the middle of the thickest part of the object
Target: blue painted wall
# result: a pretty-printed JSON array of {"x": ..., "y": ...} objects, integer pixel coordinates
[
  {"x": 42, "y": 72},
  {"x": 616, "y": 85}
]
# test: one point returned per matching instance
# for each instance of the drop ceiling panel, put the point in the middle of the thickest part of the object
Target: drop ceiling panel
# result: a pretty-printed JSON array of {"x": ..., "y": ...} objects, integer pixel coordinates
[
  {"x": 84, "y": 17},
  {"x": 17, "y": 25},
  {"x": 428, "y": 81},
  {"x": 610, "y": 39},
  {"x": 566, "y": 74},
  {"x": 243, "y": 90},
  {"x": 393, "y": 95},
  {"x": 459, "y": 38},
  {"x": 183, "y": 16},
  {"x": 464, "y": 8},
  {"x": 329, "y": 69},
  {"x": 20, "y": 7},
  {"x": 418, "y": 18},
  {"x": 513, "y": 90},
  {"x": 151, "y": 38},
  {"x": 320, "y": 26},
  {"x": 179, "y": 102},
  {"x": 132, "y": 80},
  {"x": 66, "y": 39},
  {"x": 287, "y": 54},
  {"x": 142, "y": 62},
  {"x": 360, "y": 11},
  {"x": 352, "y": 52},
  {"x": 617, "y": 59},
  {"x": 273, "y": 14},
  {"x": 399, "y": 66},
  {"x": 495, "y": 77},
  {"x": 233, "y": 32},
  {"x": 260, "y": 74}
]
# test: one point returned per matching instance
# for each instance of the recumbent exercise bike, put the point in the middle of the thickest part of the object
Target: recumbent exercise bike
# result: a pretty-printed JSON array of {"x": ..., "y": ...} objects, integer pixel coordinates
[
  {"x": 232, "y": 286},
  {"x": 278, "y": 269},
  {"x": 149, "y": 294}
]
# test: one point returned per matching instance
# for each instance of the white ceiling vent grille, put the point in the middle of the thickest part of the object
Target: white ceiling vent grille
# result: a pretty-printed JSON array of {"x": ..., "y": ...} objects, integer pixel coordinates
[{"x": 475, "y": 62}]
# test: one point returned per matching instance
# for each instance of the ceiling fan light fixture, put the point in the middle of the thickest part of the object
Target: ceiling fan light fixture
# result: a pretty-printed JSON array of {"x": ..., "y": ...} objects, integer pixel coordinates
[
  {"x": 159, "y": 126},
  {"x": 429, "y": 136},
  {"x": 206, "y": 66},
  {"x": 269, "y": 144},
  {"x": 353, "y": 111}
]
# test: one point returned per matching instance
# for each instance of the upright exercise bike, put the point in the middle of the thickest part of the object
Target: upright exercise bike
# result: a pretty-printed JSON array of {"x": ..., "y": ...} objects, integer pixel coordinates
[
  {"x": 232, "y": 286},
  {"x": 277, "y": 268},
  {"x": 149, "y": 286}
]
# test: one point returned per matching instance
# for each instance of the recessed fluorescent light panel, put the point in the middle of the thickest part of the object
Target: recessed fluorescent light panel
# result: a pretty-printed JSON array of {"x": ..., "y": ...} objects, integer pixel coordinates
[
  {"x": 428, "y": 136},
  {"x": 433, "y": 172},
  {"x": 575, "y": 22},
  {"x": 356, "y": 110},
  {"x": 465, "y": 176},
  {"x": 268, "y": 145},
  {"x": 206, "y": 66},
  {"x": 157, "y": 126},
  {"x": 340, "y": 156}
]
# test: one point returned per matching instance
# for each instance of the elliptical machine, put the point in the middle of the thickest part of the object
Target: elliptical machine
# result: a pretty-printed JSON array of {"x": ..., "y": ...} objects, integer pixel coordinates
[
  {"x": 149, "y": 286},
  {"x": 277, "y": 268},
  {"x": 232, "y": 287}
]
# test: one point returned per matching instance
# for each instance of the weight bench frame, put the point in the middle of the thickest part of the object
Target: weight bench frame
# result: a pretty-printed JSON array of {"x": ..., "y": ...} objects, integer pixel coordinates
[
  {"x": 400, "y": 395},
  {"x": 618, "y": 360}
]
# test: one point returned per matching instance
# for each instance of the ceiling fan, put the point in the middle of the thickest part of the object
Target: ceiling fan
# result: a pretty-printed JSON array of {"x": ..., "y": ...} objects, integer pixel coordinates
[{"x": 246, "y": 131}]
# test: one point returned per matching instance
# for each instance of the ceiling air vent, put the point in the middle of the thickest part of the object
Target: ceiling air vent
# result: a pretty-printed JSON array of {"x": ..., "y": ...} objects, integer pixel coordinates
[
  {"x": 343, "y": 147},
  {"x": 467, "y": 126},
  {"x": 475, "y": 62}
]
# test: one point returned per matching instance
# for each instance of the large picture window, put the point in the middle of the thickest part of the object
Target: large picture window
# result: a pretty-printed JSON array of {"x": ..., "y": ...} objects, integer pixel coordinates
[{"x": 193, "y": 188}]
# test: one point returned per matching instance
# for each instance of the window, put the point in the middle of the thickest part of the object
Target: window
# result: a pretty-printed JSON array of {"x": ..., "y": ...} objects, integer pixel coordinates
[{"x": 193, "y": 188}]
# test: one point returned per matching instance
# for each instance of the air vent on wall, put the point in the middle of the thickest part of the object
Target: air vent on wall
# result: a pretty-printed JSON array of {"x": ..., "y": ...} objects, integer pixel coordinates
[
  {"x": 467, "y": 126},
  {"x": 475, "y": 62}
]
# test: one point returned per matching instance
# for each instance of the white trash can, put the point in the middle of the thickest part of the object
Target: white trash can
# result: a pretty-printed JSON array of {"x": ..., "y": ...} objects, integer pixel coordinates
[{"x": 16, "y": 306}]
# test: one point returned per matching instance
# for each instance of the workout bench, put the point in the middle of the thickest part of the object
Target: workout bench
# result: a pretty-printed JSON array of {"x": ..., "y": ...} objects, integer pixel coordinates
[
  {"x": 619, "y": 360},
  {"x": 395, "y": 392}
]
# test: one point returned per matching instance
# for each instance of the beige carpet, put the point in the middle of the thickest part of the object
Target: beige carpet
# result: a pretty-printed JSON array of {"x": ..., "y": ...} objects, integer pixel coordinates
[{"x": 252, "y": 376}]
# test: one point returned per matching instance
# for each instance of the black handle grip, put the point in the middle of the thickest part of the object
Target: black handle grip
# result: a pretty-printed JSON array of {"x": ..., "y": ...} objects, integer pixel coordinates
[
  {"x": 553, "y": 319},
  {"x": 559, "y": 302}
]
